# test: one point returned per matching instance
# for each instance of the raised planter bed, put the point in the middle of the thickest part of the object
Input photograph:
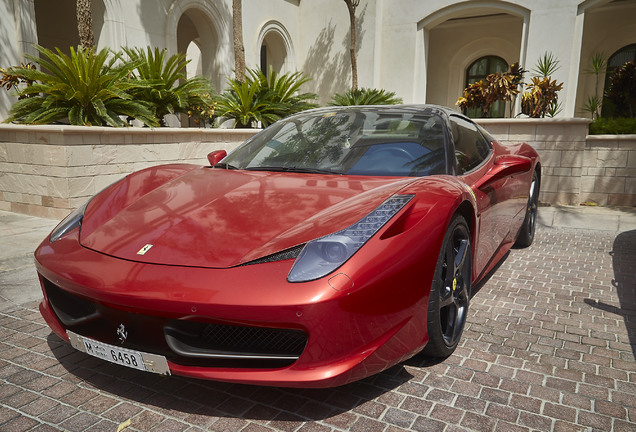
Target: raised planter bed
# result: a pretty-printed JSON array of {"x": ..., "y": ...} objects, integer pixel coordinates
[{"x": 49, "y": 170}]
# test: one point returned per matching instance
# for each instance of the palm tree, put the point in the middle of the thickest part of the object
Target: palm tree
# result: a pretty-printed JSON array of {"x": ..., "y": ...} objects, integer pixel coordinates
[
  {"x": 351, "y": 6},
  {"x": 239, "y": 49},
  {"x": 85, "y": 23}
]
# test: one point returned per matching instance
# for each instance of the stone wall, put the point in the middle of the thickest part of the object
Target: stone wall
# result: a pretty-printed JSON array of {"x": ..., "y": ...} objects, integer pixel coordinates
[
  {"x": 576, "y": 168},
  {"x": 49, "y": 170},
  {"x": 608, "y": 175}
]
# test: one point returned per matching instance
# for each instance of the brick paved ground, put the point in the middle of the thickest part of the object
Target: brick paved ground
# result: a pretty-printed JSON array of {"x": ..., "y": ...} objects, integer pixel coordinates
[{"x": 549, "y": 346}]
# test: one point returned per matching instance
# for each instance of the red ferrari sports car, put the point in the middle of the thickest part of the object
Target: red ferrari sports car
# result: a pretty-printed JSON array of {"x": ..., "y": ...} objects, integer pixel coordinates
[{"x": 330, "y": 246}]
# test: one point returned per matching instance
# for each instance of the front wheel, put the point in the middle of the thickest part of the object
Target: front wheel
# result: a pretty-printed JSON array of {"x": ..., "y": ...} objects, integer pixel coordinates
[{"x": 450, "y": 291}]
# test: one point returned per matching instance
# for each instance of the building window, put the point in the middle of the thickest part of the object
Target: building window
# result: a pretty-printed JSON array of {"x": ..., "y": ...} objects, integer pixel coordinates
[
  {"x": 264, "y": 67},
  {"x": 273, "y": 53},
  {"x": 619, "y": 58},
  {"x": 479, "y": 70}
]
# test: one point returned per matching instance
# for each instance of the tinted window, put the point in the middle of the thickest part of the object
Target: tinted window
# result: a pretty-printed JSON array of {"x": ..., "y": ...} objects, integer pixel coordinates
[{"x": 471, "y": 148}]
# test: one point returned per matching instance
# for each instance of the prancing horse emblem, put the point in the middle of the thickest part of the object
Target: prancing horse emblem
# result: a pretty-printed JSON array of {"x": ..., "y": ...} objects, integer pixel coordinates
[
  {"x": 122, "y": 334},
  {"x": 144, "y": 249}
]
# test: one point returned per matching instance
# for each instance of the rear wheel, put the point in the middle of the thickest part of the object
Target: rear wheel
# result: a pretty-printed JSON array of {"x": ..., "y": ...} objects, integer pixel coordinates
[
  {"x": 526, "y": 235},
  {"x": 450, "y": 291}
]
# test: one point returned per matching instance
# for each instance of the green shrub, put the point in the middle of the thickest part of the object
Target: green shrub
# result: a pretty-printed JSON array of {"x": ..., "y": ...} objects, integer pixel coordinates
[
  {"x": 285, "y": 90},
  {"x": 483, "y": 94},
  {"x": 613, "y": 126},
  {"x": 621, "y": 92},
  {"x": 365, "y": 96},
  {"x": 165, "y": 86},
  {"x": 540, "y": 97},
  {"x": 246, "y": 103},
  {"x": 86, "y": 88},
  {"x": 264, "y": 100}
]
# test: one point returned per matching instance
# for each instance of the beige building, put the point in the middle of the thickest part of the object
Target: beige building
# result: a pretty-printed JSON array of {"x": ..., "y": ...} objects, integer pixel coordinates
[{"x": 425, "y": 51}]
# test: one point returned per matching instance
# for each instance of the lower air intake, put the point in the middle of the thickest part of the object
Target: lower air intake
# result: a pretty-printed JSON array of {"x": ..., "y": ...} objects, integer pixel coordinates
[{"x": 221, "y": 341}]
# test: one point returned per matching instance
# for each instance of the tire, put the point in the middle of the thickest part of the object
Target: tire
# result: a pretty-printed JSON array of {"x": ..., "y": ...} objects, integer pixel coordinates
[
  {"x": 450, "y": 291},
  {"x": 526, "y": 234}
]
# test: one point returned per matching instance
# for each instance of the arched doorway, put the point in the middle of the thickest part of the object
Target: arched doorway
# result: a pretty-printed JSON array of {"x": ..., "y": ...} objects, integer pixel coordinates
[
  {"x": 599, "y": 43},
  {"x": 458, "y": 36},
  {"x": 60, "y": 32},
  {"x": 198, "y": 40},
  {"x": 200, "y": 30}
]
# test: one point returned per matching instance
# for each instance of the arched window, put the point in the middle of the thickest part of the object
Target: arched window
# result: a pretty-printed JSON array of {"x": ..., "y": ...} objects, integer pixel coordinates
[
  {"x": 619, "y": 58},
  {"x": 276, "y": 49},
  {"x": 479, "y": 70}
]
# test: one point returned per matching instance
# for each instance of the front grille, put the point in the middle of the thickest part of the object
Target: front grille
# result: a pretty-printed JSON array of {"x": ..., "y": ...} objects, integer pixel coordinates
[
  {"x": 196, "y": 339},
  {"x": 192, "y": 343}
]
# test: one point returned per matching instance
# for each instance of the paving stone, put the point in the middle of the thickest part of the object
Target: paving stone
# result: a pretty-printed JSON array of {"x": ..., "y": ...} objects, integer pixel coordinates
[
  {"x": 79, "y": 422},
  {"x": 548, "y": 346}
]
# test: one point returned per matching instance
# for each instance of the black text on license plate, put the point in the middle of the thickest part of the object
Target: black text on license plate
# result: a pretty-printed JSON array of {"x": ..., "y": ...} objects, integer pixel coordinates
[{"x": 121, "y": 356}]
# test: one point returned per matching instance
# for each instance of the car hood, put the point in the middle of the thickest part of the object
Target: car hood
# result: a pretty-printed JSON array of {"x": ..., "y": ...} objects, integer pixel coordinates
[{"x": 223, "y": 218}]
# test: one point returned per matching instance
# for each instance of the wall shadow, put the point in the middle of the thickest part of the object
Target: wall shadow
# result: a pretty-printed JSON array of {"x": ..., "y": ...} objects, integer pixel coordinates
[
  {"x": 330, "y": 64},
  {"x": 9, "y": 55},
  {"x": 224, "y": 400},
  {"x": 624, "y": 264}
]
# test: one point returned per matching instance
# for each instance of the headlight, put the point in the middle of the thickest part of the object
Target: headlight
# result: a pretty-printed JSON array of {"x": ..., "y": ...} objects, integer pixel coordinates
[
  {"x": 324, "y": 255},
  {"x": 69, "y": 223}
]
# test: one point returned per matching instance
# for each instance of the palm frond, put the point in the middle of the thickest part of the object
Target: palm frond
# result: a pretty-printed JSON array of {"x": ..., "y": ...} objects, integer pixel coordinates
[{"x": 365, "y": 96}]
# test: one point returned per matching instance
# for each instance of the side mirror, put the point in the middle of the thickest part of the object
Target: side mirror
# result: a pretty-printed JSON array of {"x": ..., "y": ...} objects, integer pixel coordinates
[
  {"x": 216, "y": 156},
  {"x": 504, "y": 166}
]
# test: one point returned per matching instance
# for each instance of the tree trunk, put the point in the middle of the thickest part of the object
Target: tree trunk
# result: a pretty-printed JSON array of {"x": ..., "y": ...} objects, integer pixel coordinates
[
  {"x": 239, "y": 49},
  {"x": 85, "y": 23},
  {"x": 351, "y": 6}
]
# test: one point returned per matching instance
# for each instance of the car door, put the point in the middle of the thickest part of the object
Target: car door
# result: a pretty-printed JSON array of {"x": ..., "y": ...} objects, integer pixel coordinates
[{"x": 474, "y": 158}]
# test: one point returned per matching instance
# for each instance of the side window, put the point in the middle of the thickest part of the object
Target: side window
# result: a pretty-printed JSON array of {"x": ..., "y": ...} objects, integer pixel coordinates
[{"x": 471, "y": 148}]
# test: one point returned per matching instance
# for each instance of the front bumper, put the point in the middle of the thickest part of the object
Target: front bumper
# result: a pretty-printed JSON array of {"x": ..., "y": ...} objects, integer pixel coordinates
[{"x": 353, "y": 326}]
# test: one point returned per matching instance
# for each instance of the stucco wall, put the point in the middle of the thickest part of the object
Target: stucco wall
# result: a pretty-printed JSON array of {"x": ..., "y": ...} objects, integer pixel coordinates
[{"x": 418, "y": 49}]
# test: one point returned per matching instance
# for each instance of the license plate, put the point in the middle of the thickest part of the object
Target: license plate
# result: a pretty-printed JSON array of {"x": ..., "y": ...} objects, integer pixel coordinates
[{"x": 121, "y": 356}]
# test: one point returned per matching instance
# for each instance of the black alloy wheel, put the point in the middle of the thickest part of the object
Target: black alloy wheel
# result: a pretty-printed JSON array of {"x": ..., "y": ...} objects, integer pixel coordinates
[
  {"x": 526, "y": 234},
  {"x": 450, "y": 291}
]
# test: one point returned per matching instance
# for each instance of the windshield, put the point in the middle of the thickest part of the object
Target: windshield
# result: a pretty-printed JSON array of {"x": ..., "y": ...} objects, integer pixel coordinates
[{"x": 373, "y": 141}]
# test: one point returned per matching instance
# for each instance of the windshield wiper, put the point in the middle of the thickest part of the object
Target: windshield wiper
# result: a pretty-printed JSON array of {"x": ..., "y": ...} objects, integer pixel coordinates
[
  {"x": 292, "y": 169},
  {"x": 223, "y": 165}
]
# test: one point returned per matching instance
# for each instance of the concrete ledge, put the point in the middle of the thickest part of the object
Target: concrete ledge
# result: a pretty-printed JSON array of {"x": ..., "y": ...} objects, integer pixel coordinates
[{"x": 614, "y": 219}]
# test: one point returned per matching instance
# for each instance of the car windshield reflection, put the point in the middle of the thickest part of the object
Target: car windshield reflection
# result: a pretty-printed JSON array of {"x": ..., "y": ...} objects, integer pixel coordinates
[{"x": 368, "y": 141}]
